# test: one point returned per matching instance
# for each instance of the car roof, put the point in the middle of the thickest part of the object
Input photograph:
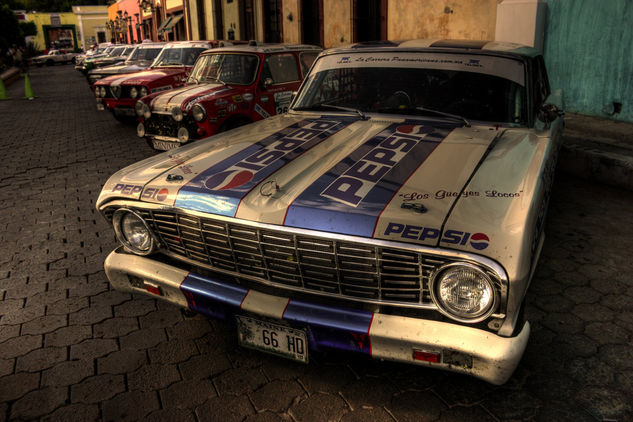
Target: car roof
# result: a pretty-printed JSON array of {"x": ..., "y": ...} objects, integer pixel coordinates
[
  {"x": 254, "y": 47},
  {"x": 194, "y": 44},
  {"x": 444, "y": 45}
]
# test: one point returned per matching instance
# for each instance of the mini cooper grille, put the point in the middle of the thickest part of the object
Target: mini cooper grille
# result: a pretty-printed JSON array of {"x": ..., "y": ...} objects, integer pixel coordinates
[
  {"x": 333, "y": 267},
  {"x": 165, "y": 125}
]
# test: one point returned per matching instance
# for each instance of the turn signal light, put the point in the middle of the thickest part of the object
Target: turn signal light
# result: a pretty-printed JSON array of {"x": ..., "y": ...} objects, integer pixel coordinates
[{"x": 433, "y": 357}]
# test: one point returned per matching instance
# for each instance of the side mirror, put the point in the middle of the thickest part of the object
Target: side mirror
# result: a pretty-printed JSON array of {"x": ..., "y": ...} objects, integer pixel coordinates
[{"x": 547, "y": 113}]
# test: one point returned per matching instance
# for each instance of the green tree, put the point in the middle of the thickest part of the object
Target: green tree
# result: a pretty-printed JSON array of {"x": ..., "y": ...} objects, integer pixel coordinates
[
  {"x": 10, "y": 31},
  {"x": 28, "y": 28}
]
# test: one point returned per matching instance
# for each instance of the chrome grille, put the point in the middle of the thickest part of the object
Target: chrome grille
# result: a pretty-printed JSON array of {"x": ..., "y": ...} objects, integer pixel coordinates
[{"x": 346, "y": 269}]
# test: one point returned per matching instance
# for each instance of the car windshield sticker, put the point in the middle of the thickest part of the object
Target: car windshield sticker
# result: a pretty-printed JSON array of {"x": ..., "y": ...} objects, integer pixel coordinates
[
  {"x": 220, "y": 188},
  {"x": 350, "y": 197},
  {"x": 498, "y": 66},
  {"x": 282, "y": 101}
]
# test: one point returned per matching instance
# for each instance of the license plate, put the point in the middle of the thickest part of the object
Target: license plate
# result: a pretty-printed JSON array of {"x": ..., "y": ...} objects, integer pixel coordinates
[
  {"x": 164, "y": 145},
  {"x": 272, "y": 338},
  {"x": 127, "y": 112}
]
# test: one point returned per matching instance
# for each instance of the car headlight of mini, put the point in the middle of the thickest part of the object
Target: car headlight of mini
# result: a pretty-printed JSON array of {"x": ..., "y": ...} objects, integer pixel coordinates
[
  {"x": 133, "y": 92},
  {"x": 143, "y": 91},
  {"x": 139, "y": 107},
  {"x": 176, "y": 113},
  {"x": 198, "y": 112},
  {"x": 132, "y": 231},
  {"x": 464, "y": 292}
]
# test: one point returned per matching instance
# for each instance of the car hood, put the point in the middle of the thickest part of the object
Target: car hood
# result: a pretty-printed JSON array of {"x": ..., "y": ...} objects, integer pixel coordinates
[
  {"x": 188, "y": 95},
  {"x": 146, "y": 77},
  {"x": 119, "y": 69},
  {"x": 374, "y": 177}
]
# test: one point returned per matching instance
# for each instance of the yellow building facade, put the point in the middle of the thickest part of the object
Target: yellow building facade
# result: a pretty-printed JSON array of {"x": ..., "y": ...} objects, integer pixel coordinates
[
  {"x": 55, "y": 30},
  {"x": 91, "y": 24}
]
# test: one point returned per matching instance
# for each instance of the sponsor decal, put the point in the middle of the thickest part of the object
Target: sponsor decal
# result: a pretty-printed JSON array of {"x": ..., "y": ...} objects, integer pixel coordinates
[
  {"x": 354, "y": 184},
  {"x": 444, "y": 194},
  {"x": 230, "y": 180},
  {"x": 350, "y": 197},
  {"x": 344, "y": 60},
  {"x": 282, "y": 101},
  {"x": 260, "y": 110},
  {"x": 237, "y": 98},
  {"x": 231, "y": 108},
  {"x": 477, "y": 241},
  {"x": 124, "y": 189},
  {"x": 221, "y": 102},
  {"x": 162, "y": 88},
  {"x": 264, "y": 99},
  {"x": 222, "y": 113},
  {"x": 186, "y": 169},
  {"x": 213, "y": 120},
  {"x": 248, "y": 96},
  {"x": 155, "y": 193}
]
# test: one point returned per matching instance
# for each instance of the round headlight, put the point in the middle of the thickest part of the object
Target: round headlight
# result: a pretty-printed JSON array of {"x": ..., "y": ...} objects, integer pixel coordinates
[
  {"x": 140, "y": 130},
  {"x": 102, "y": 91},
  {"x": 147, "y": 113},
  {"x": 97, "y": 92},
  {"x": 133, "y": 92},
  {"x": 132, "y": 231},
  {"x": 138, "y": 107},
  {"x": 176, "y": 113},
  {"x": 183, "y": 134},
  {"x": 463, "y": 292},
  {"x": 143, "y": 91},
  {"x": 198, "y": 113}
]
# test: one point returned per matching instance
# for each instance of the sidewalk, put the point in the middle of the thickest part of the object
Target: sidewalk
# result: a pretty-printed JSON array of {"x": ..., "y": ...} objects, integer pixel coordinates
[{"x": 598, "y": 149}]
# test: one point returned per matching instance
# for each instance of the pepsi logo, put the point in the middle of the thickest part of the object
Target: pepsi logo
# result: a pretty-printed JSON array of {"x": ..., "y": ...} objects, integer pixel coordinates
[
  {"x": 479, "y": 241},
  {"x": 229, "y": 179},
  {"x": 414, "y": 129},
  {"x": 162, "y": 194}
]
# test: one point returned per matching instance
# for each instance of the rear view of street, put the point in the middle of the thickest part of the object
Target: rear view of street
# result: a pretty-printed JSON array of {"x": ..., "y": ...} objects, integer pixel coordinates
[{"x": 71, "y": 348}]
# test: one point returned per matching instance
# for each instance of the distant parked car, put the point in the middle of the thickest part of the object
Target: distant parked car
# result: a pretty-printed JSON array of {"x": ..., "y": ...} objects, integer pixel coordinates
[
  {"x": 395, "y": 211},
  {"x": 118, "y": 55},
  {"x": 228, "y": 87},
  {"x": 169, "y": 70},
  {"x": 54, "y": 56},
  {"x": 97, "y": 50},
  {"x": 140, "y": 59}
]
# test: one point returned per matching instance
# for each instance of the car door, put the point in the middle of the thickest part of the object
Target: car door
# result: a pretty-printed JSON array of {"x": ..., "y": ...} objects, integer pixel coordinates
[{"x": 279, "y": 79}]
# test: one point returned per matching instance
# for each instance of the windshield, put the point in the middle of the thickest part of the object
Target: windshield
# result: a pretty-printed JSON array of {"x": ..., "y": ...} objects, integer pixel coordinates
[
  {"x": 231, "y": 68},
  {"x": 144, "y": 54},
  {"x": 482, "y": 88},
  {"x": 117, "y": 52},
  {"x": 178, "y": 56},
  {"x": 127, "y": 51}
]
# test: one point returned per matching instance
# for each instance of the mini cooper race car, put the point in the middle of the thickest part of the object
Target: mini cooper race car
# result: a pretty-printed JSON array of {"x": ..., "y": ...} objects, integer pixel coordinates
[
  {"x": 228, "y": 87},
  {"x": 140, "y": 59},
  {"x": 169, "y": 70},
  {"x": 396, "y": 210}
]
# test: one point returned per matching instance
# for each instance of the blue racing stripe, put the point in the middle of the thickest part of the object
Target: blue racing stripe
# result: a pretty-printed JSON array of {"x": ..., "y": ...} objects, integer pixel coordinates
[
  {"x": 349, "y": 198},
  {"x": 220, "y": 188},
  {"x": 211, "y": 297},
  {"x": 326, "y": 316}
]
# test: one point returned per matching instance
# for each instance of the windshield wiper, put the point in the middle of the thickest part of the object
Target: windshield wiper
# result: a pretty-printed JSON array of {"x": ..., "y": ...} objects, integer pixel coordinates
[
  {"x": 396, "y": 110},
  {"x": 316, "y": 107}
]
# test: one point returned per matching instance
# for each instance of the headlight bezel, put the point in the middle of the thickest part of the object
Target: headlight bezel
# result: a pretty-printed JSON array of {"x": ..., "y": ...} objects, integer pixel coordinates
[
  {"x": 198, "y": 110},
  {"x": 143, "y": 91},
  {"x": 444, "y": 309},
  {"x": 133, "y": 92},
  {"x": 117, "y": 223}
]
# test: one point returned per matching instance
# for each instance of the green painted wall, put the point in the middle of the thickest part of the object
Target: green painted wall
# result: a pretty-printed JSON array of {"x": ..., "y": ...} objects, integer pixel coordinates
[{"x": 589, "y": 54}]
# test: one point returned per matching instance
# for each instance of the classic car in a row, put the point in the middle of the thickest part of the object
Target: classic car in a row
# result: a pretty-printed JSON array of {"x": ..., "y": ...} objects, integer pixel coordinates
[
  {"x": 54, "y": 56},
  {"x": 119, "y": 93},
  {"x": 228, "y": 87},
  {"x": 98, "y": 49},
  {"x": 140, "y": 59},
  {"x": 396, "y": 210},
  {"x": 115, "y": 54}
]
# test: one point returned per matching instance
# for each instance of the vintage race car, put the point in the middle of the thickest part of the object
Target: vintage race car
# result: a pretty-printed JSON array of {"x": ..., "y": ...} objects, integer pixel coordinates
[
  {"x": 140, "y": 59},
  {"x": 54, "y": 56},
  {"x": 228, "y": 87},
  {"x": 98, "y": 50},
  {"x": 118, "y": 55},
  {"x": 169, "y": 70},
  {"x": 396, "y": 210}
]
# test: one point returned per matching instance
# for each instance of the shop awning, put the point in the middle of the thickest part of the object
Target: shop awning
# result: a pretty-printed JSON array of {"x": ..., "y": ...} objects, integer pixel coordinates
[
  {"x": 161, "y": 28},
  {"x": 172, "y": 22}
]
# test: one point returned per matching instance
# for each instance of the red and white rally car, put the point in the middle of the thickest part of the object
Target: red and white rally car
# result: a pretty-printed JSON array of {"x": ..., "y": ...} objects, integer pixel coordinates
[
  {"x": 227, "y": 88},
  {"x": 119, "y": 93}
]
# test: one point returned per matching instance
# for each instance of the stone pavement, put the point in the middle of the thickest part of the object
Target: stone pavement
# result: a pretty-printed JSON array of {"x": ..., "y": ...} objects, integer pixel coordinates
[{"x": 73, "y": 349}]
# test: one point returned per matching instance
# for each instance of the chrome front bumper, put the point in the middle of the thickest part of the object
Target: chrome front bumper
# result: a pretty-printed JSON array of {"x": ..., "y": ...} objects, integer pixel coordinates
[{"x": 450, "y": 347}]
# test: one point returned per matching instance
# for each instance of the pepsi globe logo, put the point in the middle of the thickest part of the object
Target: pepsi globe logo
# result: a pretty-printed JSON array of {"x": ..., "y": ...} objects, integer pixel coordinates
[
  {"x": 162, "y": 194},
  {"x": 414, "y": 129},
  {"x": 479, "y": 241},
  {"x": 229, "y": 179}
]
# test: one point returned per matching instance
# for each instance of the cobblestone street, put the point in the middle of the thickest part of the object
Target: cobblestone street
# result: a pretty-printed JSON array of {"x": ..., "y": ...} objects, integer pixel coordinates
[{"x": 72, "y": 349}]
